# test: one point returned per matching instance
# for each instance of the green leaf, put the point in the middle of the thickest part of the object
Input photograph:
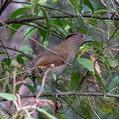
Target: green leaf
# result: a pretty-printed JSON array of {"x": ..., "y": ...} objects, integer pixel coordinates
[
  {"x": 89, "y": 5},
  {"x": 26, "y": 49},
  {"x": 6, "y": 61},
  {"x": 46, "y": 114},
  {"x": 62, "y": 26},
  {"x": 34, "y": 6},
  {"x": 16, "y": 27},
  {"x": 8, "y": 96},
  {"x": 2, "y": 52},
  {"x": 47, "y": 21},
  {"x": 20, "y": 59},
  {"x": 75, "y": 80},
  {"x": 107, "y": 106},
  {"x": 88, "y": 64},
  {"x": 20, "y": 12},
  {"x": 31, "y": 87},
  {"x": 29, "y": 117},
  {"x": 2, "y": 116},
  {"x": 100, "y": 11},
  {"x": 98, "y": 5},
  {"x": 6, "y": 64},
  {"x": 54, "y": 76},
  {"x": 76, "y": 4},
  {"x": 54, "y": 1},
  {"x": 60, "y": 29},
  {"x": 85, "y": 109},
  {"x": 92, "y": 21},
  {"x": 81, "y": 26}
]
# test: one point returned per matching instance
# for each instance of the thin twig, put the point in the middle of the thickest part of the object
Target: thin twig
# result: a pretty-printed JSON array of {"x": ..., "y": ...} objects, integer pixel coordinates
[
  {"x": 3, "y": 46},
  {"x": 9, "y": 48},
  {"x": 113, "y": 35},
  {"x": 14, "y": 81},
  {"x": 43, "y": 83},
  {"x": 71, "y": 93},
  {"x": 115, "y": 49},
  {"x": 93, "y": 109}
]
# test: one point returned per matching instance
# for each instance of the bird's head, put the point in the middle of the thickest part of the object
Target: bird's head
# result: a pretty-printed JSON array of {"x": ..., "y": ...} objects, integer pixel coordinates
[{"x": 76, "y": 38}]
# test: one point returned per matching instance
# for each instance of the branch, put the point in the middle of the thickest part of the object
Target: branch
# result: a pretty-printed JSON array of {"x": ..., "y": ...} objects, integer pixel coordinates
[
  {"x": 70, "y": 93},
  {"x": 115, "y": 49},
  {"x": 28, "y": 56},
  {"x": 111, "y": 37},
  {"x": 73, "y": 93},
  {"x": 3, "y": 46},
  {"x": 22, "y": 20}
]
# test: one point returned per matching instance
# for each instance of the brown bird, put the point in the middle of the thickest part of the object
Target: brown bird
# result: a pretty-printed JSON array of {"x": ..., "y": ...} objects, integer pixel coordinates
[
  {"x": 60, "y": 56},
  {"x": 63, "y": 53}
]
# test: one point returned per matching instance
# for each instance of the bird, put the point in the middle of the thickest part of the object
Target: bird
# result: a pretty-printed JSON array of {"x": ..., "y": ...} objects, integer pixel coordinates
[
  {"x": 63, "y": 53},
  {"x": 60, "y": 56}
]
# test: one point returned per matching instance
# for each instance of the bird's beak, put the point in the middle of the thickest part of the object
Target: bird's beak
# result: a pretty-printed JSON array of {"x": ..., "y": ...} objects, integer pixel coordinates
[{"x": 89, "y": 39}]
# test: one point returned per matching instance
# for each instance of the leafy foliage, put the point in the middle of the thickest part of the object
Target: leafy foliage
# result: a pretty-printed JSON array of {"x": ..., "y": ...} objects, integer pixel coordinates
[{"x": 95, "y": 70}]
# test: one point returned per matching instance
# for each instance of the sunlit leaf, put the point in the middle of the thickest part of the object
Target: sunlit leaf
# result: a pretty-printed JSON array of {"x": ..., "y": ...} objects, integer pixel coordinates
[
  {"x": 54, "y": 76},
  {"x": 87, "y": 63},
  {"x": 107, "y": 106},
  {"x": 8, "y": 96},
  {"x": 28, "y": 117}
]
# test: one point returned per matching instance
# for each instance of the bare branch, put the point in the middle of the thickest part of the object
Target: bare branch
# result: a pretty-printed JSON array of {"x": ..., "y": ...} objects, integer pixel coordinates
[
  {"x": 28, "y": 56},
  {"x": 22, "y": 20},
  {"x": 73, "y": 93},
  {"x": 3, "y": 46}
]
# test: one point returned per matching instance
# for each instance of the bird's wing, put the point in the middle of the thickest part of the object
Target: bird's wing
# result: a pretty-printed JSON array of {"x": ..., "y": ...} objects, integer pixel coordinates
[{"x": 47, "y": 58}]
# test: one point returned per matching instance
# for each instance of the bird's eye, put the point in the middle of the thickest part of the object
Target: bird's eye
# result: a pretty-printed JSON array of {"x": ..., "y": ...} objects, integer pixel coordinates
[{"x": 82, "y": 36}]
